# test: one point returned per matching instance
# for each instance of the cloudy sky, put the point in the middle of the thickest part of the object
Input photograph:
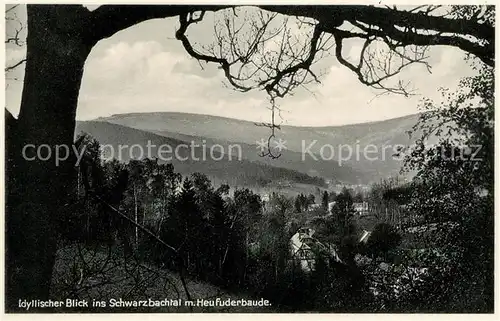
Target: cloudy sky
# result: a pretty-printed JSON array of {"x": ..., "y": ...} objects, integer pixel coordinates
[{"x": 144, "y": 69}]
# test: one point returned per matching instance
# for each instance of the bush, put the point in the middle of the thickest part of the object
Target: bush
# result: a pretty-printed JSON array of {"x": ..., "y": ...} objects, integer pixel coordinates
[{"x": 383, "y": 239}]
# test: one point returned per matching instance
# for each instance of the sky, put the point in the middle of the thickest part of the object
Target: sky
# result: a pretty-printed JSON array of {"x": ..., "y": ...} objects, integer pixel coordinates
[{"x": 144, "y": 69}]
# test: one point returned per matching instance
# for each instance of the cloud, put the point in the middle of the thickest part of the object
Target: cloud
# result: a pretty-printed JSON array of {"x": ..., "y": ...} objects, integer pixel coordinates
[
  {"x": 143, "y": 76},
  {"x": 341, "y": 98}
]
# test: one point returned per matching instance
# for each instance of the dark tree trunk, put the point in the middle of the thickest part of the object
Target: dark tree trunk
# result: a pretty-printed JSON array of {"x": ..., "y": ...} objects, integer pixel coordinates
[{"x": 38, "y": 191}]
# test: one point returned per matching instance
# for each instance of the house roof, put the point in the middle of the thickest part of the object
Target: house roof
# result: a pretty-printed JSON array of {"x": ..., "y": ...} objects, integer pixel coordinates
[{"x": 365, "y": 236}]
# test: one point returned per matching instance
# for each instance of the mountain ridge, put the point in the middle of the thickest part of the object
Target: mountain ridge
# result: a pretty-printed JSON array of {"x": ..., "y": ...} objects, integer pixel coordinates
[
  {"x": 174, "y": 113},
  {"x": 345, "y": 145}
]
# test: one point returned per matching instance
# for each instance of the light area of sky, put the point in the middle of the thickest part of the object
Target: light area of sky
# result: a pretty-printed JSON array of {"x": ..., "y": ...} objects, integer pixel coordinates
[{"x": 144, "y": 69}]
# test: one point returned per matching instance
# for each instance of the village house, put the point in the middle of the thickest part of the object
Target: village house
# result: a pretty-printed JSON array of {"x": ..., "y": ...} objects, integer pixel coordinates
[
  {"x": 313, "y": 207},
  {"x": 304, "y": 248},
  {"x": 330, "y": 206},
  {"x": 365, "y": 236},
  {"x": 361, "y": 208}
]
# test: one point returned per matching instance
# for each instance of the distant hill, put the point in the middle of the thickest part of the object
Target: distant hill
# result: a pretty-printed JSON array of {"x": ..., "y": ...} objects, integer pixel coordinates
[
  {"x": 330, "y": 170},
  {"x": 189, "y": 160},
  {"x": 380, "y": 139}
]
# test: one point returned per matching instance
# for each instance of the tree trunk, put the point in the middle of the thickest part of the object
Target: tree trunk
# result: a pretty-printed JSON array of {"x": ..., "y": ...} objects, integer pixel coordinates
[
  {"x": 38, "y": 192},
  {"x": 136, "y": 222}
]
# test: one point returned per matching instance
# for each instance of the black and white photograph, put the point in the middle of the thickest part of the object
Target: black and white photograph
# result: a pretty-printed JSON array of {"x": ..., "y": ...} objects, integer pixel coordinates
[{"x": 258, "y": 158}]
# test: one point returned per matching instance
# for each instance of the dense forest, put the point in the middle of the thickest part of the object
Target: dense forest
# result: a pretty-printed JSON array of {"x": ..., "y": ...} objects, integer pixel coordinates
[{"x": 430, "y": 245}]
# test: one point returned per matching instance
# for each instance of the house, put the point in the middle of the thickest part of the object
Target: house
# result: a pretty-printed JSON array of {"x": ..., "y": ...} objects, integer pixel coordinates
[
  {"x": 330, "y": 206},
  {"x": 301, "y": 248},
  {"x": 361, "y": 208},
  {"x": 305, "y": 248},
  {"x": 313, "y": 207},
  {"x": 365, "y": 236}
]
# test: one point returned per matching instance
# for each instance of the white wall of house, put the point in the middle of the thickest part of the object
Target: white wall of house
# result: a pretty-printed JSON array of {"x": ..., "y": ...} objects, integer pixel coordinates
[{"x": 303, "y": 253}]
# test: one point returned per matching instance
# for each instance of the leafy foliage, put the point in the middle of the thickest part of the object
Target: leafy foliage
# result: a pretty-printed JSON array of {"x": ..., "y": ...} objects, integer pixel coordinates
[
  {"x": 383, "y": 239},
  {"x": 454, "y": 182}
]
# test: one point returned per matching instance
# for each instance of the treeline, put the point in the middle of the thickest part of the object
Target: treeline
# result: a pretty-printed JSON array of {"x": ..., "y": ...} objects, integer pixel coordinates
[{"x": 246, "y": 173}]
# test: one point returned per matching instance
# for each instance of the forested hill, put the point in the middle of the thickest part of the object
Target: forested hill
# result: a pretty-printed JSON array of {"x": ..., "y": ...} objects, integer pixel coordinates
[
  {"x": 224, "y": 168},
  {"x": 384, "y": 135}
]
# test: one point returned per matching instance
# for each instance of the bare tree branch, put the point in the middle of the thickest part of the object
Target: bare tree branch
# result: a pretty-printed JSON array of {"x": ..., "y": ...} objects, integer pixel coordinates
[
  {"x": 14, "y": 39},
  {"x": 9, "y": 68},
  {"x": 11, "y": 8},
  {"x": 272, "y": 126},
  {"x": 185, "y": 21},
  {"x": 330, "y": 16},
  {"x": 258, "y": 54},
  {"x": 107, "y": 20}
]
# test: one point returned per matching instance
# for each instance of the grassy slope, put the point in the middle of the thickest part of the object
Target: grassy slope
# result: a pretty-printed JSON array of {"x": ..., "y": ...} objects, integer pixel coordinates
[{"x": 131, "y": 282}]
